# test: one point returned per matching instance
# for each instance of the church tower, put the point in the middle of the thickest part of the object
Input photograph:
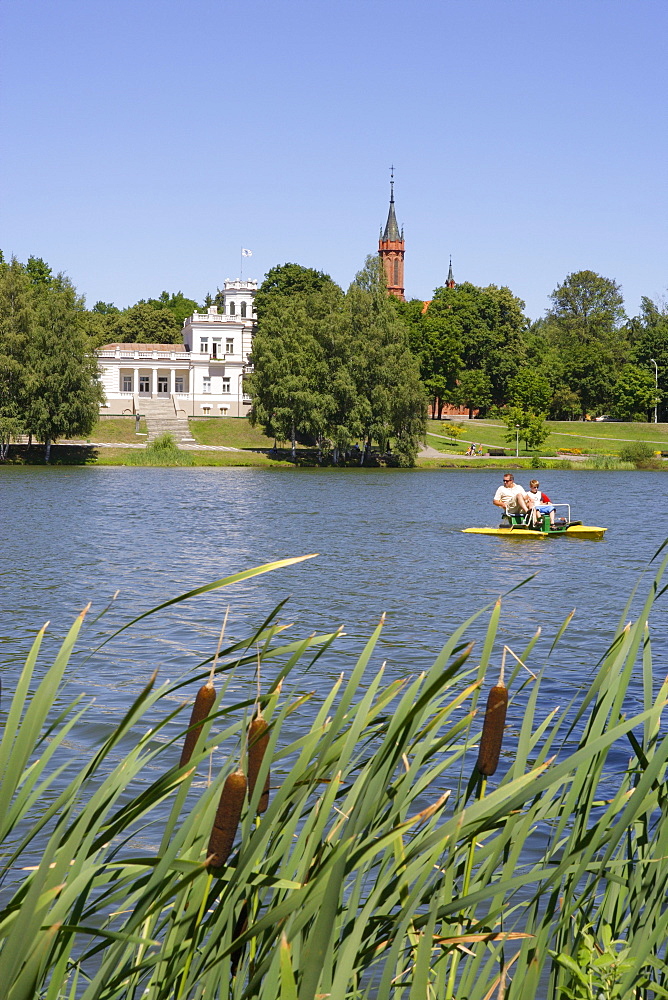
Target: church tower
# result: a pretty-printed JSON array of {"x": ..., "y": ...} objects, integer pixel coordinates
[
  {"x": 391, "y": 249},
  {"x": 450, "y": 282}
]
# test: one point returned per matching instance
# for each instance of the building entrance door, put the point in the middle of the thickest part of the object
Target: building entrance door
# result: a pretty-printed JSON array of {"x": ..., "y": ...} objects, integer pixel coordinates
[{"x": 163, "y": 383}]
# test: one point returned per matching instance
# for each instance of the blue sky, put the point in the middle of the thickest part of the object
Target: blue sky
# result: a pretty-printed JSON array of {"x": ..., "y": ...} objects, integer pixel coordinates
[{"x": 147, "y": 141}]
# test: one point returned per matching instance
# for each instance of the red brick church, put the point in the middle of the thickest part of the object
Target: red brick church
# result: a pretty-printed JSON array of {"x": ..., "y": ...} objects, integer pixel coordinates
[{"x": 391, "y": 250}]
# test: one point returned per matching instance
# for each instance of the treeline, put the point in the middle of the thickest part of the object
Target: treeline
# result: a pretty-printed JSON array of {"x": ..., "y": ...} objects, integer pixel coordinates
[
  {"x": 335, "y": 368},
  {"x": 324, "y": 367},
  {"x": 478, "y": 349},
  {"x": 341, "y": 369},
  {"x": 149, "y": 321},
  {"x": 48, "y": 373}
]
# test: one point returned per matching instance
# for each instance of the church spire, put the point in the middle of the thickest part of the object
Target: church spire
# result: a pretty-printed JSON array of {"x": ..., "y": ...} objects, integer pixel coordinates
[
  {"x": 391, "y": 227},
  {"x": 391, "y": 249},
  {"x": 450, "y": 283}
]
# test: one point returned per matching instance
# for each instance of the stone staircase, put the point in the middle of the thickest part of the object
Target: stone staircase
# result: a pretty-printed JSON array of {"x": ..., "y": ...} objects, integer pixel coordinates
[{"x": 161, "y": 418}]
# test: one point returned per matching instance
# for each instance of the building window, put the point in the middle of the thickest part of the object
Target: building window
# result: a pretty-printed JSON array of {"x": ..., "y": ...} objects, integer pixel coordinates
[
  {"x": 127, "y": 383},
  {"x": 207, "y": 410},
  {"x": 396, "y": 272},
  {"x": 204, "y": 345},
  {"x": 226, "y": 385},
  {"x": 216, "y": 345},
  {"x": 145, "y": 383},
  {"x": 243, "y": 308},
  {"x": 232, "y": 309},
  {"x": 206, "y": 384},
  {"x": 178, "y": 383},
  {"x": 229, "y": 346}
]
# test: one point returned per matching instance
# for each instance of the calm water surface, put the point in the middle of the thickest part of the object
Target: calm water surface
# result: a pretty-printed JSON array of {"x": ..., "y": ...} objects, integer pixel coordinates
[{"x": 388, "y": 542}]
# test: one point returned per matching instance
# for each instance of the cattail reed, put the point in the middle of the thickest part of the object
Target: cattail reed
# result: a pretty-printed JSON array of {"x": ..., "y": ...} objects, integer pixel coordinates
[
  {"x": 203, "y": 703},
  {"x": 258, "y": 740},
  {"x": 493, "y": 726},
  {"x": 240, "y": 927},
  {"x": 227, "y": 819}
]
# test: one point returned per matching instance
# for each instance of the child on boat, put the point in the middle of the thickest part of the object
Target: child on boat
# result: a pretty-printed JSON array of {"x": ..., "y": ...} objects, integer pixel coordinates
[{"x": 538, "y": 501}]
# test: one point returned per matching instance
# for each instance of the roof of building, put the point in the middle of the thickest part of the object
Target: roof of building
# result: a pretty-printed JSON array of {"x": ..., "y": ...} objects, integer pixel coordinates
[{"x": 142, "y": 347}]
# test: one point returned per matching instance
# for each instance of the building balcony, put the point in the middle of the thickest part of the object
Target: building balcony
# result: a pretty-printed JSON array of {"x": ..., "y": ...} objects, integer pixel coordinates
[{"x": 141, "y": 355}]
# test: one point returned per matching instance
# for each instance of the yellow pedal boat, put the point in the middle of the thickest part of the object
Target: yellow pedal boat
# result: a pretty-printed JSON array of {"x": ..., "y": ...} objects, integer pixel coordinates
[
  {"x": 532, "y": 526},
  {"x": 522, "y": 531}
]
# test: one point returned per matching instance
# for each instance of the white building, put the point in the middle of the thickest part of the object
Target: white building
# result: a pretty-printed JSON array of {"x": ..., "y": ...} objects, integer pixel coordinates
[{"x": 203, "y": 376}]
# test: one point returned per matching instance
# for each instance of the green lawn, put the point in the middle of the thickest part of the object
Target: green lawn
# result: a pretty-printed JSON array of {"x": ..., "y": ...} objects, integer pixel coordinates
[
  {"x": 234, "y": 432},
  {"x": 115, "y": 430},
  {"x": 111, "y": 456},
  {"x": 590, "y": 437}
]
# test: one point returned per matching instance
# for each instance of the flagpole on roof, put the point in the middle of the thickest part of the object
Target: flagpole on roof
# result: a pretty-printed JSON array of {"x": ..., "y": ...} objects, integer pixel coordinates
[{"x": 241, "y": 254}]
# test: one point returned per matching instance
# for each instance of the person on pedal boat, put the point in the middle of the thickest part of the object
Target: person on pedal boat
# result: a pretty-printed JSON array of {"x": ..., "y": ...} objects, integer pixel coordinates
[
  {"x": 511, "y": 496},
  {"x": 539, "y": 501}
]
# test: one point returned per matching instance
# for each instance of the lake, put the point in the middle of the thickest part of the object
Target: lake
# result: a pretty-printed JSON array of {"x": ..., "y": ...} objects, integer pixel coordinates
[{"x": 388, "y": 542}]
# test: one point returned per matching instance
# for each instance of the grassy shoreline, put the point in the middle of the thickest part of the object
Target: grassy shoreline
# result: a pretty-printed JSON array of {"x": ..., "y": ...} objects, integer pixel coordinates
[
  {"x": 234, "y": 442},
  {"x": 88, "y": 455}
]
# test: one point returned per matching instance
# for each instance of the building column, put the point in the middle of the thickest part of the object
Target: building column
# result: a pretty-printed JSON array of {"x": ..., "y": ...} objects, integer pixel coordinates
[
  {"x": 135, "y": 383},
  {"x": 171, "y": 381}
]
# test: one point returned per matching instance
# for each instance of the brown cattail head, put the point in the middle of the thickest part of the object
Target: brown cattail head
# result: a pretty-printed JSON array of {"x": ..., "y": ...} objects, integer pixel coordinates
[
  {"x": 258, "y": 740},
  {"x": 492, "y": 730},
  {"x": 227, "y": 819},
  {"x": 203, "y": 702}
]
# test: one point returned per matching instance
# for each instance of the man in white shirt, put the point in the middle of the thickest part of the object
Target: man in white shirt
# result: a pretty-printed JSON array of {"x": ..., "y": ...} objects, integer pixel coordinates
[{"x": 511, "y": 496}]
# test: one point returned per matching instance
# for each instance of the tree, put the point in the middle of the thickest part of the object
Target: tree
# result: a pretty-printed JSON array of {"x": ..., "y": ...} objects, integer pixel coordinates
[
  {"x": 64, "y": 394},
  {"x": 649, "y": 344},
  {"x": 176, "y": 303},
  {"x": 434, "y": 343},
  {"x": 474, "y": 390},
  {"x": 16, "y": 297},
  {"x": 530, "y": 391},
  {"x": 105, "y": 309},
  {"x": 50, "y": 387},
  {"x": 483, "y": 328},
  {"x": 336, "y": 368},
  {"x": 634, "y": 393},
  {"x": 565, "y": 403},
  {"x": 289, "y": 280},
  {"x": 39, "y": 272},
  {"x": 532, "y": 428},
  {"x": 385, "y": 371},
  {"x": 290, "y": 382},
  {"x": 586, "y": 325},
  {"x": 145, "y": 324}
]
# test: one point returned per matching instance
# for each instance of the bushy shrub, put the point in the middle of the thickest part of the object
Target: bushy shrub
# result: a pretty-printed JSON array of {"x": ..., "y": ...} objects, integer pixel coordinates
[
  {"x": 637, "y": 452},
  {"x": 162, "y": 451}
]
